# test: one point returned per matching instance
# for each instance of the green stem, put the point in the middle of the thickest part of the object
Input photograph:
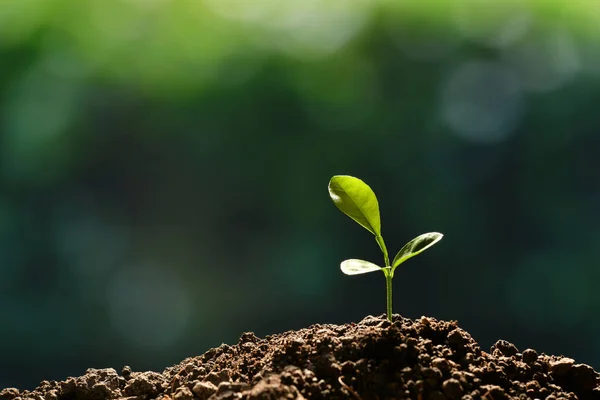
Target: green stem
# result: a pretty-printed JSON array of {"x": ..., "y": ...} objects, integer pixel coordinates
[
  {"x": 389, "y": 274},
  {"x": 388, "y": 290}
]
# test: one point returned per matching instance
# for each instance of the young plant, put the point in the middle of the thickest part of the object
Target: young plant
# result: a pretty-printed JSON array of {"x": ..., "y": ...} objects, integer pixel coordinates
[{"x": 358, "y": 201}]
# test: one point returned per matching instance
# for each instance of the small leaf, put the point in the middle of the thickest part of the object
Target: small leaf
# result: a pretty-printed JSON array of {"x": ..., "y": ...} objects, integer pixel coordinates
[
  {"x": 416, "y": 246},
  {"x": 357, "y": 200},
  {"x": 355, "y": 267}
]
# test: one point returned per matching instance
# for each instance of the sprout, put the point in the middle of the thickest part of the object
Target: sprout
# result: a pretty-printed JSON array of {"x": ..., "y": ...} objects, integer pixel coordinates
[{"x": 358, "y": 201}]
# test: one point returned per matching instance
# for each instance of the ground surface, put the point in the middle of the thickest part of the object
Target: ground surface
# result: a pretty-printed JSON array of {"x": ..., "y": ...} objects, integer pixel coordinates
[{"x": 424, "y": 359}]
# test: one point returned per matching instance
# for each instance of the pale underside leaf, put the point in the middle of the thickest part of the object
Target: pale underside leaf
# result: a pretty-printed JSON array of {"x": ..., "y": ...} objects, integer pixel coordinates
[{"x": 356, "y": 267}]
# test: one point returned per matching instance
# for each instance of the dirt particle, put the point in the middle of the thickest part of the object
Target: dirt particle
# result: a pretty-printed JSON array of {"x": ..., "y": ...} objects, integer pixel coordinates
[
  {"x": 452, "y": 389},
  {"x": 441, "y": 363},
  {"x": 248, "y": 337},
  {"x": 493, "y": 392},
  {"x": 561, "y": 366},
  {"x": 530, "y": 356},
  {"x": 203, "y": 390},
  {"x": 232, "y": 387},
  {"x": 271, "y": 388},
  {"x": 183, "y": 393},
  {"x": 584, "y": 377},
  {"x": 145, "y": 383},
  {"x": 126, "y": 372},
  {"x": 96, "y": 384},
  {"x": 456, "y": 338},
  {"x": 502, "y": 347},
  {"x": 9, "y": 394}
]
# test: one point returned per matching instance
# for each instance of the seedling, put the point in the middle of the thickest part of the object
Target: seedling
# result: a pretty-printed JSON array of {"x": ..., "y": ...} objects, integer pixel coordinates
[{"x": 358, "y": 201}]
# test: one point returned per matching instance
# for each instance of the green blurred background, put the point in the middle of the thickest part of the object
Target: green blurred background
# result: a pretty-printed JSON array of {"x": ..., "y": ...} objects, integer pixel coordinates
[{"x": 164, "y": 168}]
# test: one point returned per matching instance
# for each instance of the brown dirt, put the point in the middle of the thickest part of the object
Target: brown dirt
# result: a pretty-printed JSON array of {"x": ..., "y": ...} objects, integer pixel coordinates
[{"x": 424, "y": 359}]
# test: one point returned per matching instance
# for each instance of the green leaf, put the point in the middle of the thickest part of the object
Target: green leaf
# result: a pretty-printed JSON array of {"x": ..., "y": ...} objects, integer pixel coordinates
[
  {"x": 355, "y": 267},
  {"x": 357, "y": 200},
  {"x": 416, "y": 246}
]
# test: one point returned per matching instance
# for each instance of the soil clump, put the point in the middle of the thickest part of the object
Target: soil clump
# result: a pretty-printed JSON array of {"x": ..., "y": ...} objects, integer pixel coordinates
[{"x": 422, "y": 359}]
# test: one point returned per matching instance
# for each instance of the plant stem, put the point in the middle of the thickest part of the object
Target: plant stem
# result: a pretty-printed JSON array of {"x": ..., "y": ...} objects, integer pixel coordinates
[
  {"x": 389, "y": 274},
  {"x": 388, "y": 290}
]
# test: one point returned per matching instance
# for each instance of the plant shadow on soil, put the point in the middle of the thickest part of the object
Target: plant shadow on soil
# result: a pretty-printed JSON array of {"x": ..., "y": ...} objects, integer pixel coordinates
[{"x": 422, "y": 359}]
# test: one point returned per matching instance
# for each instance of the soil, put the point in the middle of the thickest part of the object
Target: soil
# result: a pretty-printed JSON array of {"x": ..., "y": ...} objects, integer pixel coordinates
[{"x": 422, "y": 359}]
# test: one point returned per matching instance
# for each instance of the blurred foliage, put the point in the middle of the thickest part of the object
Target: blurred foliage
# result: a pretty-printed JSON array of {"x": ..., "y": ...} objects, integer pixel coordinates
[{"x": 163, "y": 172}]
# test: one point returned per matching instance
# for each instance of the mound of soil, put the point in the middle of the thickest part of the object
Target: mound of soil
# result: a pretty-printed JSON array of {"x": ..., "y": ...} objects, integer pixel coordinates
[{"x": 424, "y": 359}]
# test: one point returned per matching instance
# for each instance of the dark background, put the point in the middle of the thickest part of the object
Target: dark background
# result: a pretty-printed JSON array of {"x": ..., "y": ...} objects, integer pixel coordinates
[{"x": 164, "y": 168}]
